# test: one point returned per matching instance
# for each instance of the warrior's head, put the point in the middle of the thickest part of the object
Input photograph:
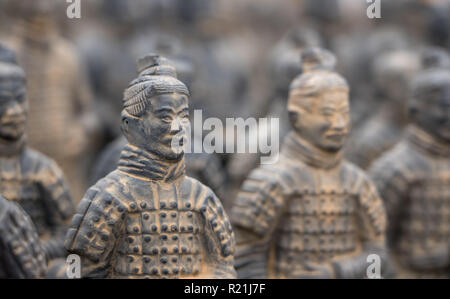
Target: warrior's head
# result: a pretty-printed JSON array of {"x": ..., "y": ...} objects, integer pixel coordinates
[
  {"x": 429, "y": 104},
  {"x": 155, "y": 113},
  {"x": 13, "y": 102},
  {"x": 392, "y": 72},
  {"x": 318, "y": 102}
]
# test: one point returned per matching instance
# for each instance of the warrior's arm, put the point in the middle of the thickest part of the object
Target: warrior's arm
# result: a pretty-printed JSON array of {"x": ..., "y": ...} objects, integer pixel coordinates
[
  {"x": 392, "y": 185},
  {"x": 219, "y": 236},
  {"x": 21, "y": 253},
  {"x": 59, "y": 207},
  {"x": 372, "y": 220},
  {"x": 254, "y": 216},
  {"x": 94, "y": 230}
]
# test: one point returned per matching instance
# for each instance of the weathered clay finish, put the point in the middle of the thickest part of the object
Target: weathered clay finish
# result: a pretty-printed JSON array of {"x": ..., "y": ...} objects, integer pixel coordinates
[
  {"x": 21, "y": 253},
  {"x": 147, "y": 219},
  {"x": 312, "y": 214},
  {"x": 414, "y": 181},
  {"x": 28, "y": 177}
]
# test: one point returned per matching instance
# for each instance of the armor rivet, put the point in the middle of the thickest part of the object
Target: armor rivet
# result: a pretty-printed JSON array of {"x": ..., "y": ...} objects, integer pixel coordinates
[
  {"x": 155, "y": 250},
  {"x": 165, "y": 271},
  {"x": 163, "y": 204},
  {"x": 190, "y": 227},
  {"x": 135, "y": 249},
  {"x": 130, "y": 240},
  {"x": 147, "y": 259},
  {"x": 136, "y": 270},
  {"x": 105, "y": 238},
  {"x": 189, "y": 214},
  {"x": 189, "y": 259},
  {"x": 188, "y": 205},
  {"x": 143, "y": 204},
  {"x": 133, "y": 205},
  {"x": 173, "y": 214},
  {"x": 120, "y": 209},
  {"x": 108, "y": 201},
  {"x": 175, "y": 238},
  {"x": 174, "y": 260},
  {"x": 203, "y": 209},
  {"x": 173, "y": 204},
  {"x": 175, "y": 271},
  {"x": 164, "y": 227},
  {"x": 190, "y": 237},
  {"x": 90, "y": 234},
  {"x": 155, "y": 271},
  {"x": 130, "y": 259},
  {"x": 183, "y": 228},
  {"x": 147, "y": 239},
  {"x": 136, "y": 229},
  {"x": 163, "y": 260},
  {"x": 184, "y": 249},
  {"x": 183, "y": 270},
  {"x": 146, "y": 216},
  {"x": 96, "y": 219},
  {"x": 175, "y": 249},
  {"x": 164, "y": 237},
  {"x": 164, "y": 250},
  {"x": 174, "y": 228},
  {"x": 163, "y": 215}
]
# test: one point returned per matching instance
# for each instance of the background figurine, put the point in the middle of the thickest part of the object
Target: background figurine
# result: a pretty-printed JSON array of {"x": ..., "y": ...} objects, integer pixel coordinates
[
  {"x": 21, "y": 254},
  {"x": 147, "y": 219},
  {"x": 312, "y": 214},
  {"x": 29, "y": 178},
  {"x": 413, "y": 179},
  {"x": 392, "y": 73}
]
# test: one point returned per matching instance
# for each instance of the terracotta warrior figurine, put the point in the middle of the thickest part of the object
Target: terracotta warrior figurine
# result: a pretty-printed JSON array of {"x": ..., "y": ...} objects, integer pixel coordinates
[
  {"x": 311, "y": 214},
  {"x": 27, "y": 177},
  {"x": 413, "y": 179},
  {"x": 21, "y": 253},
  {"x": 392, "y": 73},
  {"x": 147, "y": 219}
]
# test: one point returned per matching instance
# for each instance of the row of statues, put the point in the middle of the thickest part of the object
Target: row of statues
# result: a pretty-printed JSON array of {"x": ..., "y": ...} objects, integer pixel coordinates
[{"x": 312, "y": 214}]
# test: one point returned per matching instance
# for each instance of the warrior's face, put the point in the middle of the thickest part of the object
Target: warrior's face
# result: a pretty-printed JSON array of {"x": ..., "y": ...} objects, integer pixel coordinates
[
  {"x": 13, "y": 108},
  {"x": 324, "y": 120},
  {"x": 434, "y": 113},
  {"x": 163, "y": 127}
]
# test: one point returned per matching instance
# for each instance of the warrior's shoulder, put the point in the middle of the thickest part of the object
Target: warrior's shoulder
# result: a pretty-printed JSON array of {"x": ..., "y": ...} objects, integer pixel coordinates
[{"x": 33, "y": 160}]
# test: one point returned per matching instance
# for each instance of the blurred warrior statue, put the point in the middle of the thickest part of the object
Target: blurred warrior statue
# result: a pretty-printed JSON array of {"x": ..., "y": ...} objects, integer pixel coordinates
[
  {"x": 147, "y": 219},
  {"x": 312, "y": 214},
  {"x": 60, "y": 115},
  {"x": 21, "y": 254},
  {"x": 413, "y": 179},
  {"x": 392, "y": 73},
  {"x": 29, "y": 178}
]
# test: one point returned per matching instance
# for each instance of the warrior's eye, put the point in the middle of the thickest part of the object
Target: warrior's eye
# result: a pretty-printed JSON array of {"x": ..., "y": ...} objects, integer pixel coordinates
[{"x": 166, "y": 118}]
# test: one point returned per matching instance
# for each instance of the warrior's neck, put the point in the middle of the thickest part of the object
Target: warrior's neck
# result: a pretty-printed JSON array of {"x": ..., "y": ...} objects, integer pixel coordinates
[
  {"x": 297, "y": 147},
  {"x": 146, "y": 165},
  {"x": 11, "y": 148},
  {"x": 426, "y": 142}
]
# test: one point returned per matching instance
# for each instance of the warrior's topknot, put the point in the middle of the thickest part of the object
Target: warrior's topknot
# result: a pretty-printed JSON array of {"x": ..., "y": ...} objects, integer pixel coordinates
[
  {"x": 156, "y": 76},
  {"x": 8, "y": 65},
  {"x": 318, "y": 75}
]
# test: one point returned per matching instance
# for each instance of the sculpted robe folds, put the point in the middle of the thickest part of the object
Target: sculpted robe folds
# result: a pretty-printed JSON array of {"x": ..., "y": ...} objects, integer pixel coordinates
[
  {"x": 154, "y": 221},
  {"x": 307, "y": 208}
]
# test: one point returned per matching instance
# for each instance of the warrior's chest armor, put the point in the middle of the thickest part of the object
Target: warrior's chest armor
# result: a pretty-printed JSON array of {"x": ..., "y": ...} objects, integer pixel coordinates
[
  {"x": 21, "y": 187},
  {"x": 319, "y": 223},
  {"x": 425, "y": 219},
  {"x": 161, "y": 235}
]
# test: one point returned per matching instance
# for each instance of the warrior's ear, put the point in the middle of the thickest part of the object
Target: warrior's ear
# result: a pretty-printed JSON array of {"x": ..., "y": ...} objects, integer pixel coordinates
[
  {"x": 125, "y": 124},
  {"x": 294, "y": 117}
]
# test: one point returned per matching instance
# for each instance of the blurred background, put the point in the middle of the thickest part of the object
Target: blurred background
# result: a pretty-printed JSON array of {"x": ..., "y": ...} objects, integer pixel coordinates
[{"x": 236, "y": 56}]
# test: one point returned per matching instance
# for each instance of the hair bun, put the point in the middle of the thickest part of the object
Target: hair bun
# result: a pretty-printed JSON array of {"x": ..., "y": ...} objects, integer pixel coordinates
[
  {"x": 155, "y": 65},
  {"x": 317, "y": 59}
]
